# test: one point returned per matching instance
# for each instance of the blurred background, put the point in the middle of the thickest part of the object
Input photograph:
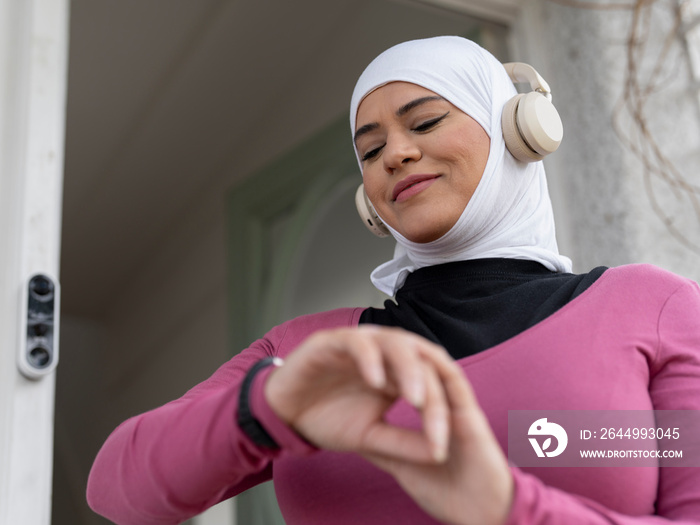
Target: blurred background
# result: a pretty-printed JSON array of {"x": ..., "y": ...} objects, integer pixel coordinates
[{"x": 209, "y": 178}]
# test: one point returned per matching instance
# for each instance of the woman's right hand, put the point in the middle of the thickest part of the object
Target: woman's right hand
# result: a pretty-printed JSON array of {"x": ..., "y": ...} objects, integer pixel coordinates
[{"x": 336, "y": 387}]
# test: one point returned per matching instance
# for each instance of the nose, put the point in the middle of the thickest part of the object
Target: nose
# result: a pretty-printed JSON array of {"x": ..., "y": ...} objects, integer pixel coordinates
[{"x": 400, "y": 149}]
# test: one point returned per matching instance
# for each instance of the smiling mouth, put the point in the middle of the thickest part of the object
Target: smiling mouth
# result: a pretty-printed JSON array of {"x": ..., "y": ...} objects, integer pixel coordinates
[{"x": 411, "y": 186}]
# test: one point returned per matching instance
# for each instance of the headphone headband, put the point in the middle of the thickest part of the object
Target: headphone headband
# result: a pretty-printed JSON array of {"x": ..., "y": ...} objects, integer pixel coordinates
[{"x": 526, "y": 74}]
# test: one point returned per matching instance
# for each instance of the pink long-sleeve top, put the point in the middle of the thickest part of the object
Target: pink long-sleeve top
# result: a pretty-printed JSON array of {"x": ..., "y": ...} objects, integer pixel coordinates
[{"x": 631, "y": 341}]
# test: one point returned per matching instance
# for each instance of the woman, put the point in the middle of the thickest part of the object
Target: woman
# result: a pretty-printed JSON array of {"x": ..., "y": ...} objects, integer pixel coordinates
[{"x": 369, "y": 419}]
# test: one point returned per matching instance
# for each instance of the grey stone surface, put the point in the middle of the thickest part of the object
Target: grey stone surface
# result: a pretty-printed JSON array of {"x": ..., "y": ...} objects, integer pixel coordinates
[{"x": 607, "y": 200}]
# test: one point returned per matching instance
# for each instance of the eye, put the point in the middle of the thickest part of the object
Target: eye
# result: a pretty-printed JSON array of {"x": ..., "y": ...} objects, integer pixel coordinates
[
  {"x": 371, "y": 153},
  {"x": 429, "y": 124}
]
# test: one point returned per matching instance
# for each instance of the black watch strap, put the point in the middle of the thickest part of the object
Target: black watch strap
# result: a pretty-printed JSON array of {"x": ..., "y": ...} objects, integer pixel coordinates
[{"x": 249, "y": 425}]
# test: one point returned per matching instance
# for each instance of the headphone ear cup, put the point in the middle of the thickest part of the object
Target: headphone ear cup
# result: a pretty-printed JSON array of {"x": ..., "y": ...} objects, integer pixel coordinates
[
  {"x": 514, "y": 141},
  {"x": 368, "y": 215},
  {"x": 532, "y": 128}
]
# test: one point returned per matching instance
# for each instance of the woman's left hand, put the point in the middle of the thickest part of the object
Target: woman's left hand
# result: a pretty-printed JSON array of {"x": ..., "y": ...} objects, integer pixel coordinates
[{"x": 474, "y": 486}]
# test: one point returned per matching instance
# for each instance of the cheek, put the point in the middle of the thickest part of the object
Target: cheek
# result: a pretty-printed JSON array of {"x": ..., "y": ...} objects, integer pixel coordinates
[
  {"x": 470, "y": 156},
  {"x": 467, "y": 148},
  {"x": 373, "y": 177},
  {"x": 373, "y": 188}
]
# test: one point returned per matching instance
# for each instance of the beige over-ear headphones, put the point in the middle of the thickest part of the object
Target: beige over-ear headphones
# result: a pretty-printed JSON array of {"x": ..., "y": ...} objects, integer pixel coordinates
[
  {"x": 531, "y": 125},
  {"x": 532, "y": 129},
  {"x": 368, "y": 215}
]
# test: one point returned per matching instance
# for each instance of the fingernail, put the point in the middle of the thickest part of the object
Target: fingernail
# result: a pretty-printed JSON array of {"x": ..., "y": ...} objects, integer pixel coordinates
[
  {"x": 440, "y": 438},
  {"x": 440, "y": 455},
  {"x": 377, "y": 377},
  {"x": 417, "y": 394}
]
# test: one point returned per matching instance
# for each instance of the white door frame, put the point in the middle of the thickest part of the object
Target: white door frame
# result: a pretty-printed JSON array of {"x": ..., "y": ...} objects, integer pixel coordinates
[{"x": 33, "y": 68}]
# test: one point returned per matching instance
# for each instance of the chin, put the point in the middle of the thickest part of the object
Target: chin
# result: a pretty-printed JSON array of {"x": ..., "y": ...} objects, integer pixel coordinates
[
  {"x": 426, "y": 225},
  {"x": 423, "y": 235},
  {"x": 423, "y": 226}
]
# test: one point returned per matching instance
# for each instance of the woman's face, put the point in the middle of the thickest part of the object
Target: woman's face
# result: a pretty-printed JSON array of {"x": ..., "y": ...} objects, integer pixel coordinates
[{"x": 422, "y": 158}]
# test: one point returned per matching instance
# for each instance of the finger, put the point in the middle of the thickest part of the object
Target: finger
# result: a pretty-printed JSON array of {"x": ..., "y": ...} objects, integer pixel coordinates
[
  {"x": 388, "y": 360},
  {"x": 400, "y": 352},
  {"x": 460, "y": 394},
  {"x": 402, "y": 358},
  {"x": 436, "y": 416},
  {"x": 421, "y": 383},
  {"x": 456, "y": 386},
  {"x": 362, "y": 346},
  {"x": 467, "y": 420},
  {"x": 398, "y": 443},
  {"x": 337, "y": 348},
  {"x": 388, "y": 464}
]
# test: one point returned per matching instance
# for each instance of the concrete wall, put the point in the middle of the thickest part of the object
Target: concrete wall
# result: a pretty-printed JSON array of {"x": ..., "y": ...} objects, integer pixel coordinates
[{"x": 602, "y": 200}]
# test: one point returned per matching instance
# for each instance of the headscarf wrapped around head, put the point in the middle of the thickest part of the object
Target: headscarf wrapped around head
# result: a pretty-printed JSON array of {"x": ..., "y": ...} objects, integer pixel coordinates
[{"x": 510, "y": 214}]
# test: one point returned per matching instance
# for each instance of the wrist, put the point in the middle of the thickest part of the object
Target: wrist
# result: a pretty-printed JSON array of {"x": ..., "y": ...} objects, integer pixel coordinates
[
  {"x": 276, "y": 397},
  {"x": 246, "y": 419},
  {"x": 502, "y": 499},
  {"x": 288, "y": 439}
]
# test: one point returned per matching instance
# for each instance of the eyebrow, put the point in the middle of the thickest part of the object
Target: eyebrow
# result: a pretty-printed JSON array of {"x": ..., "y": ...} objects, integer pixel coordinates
[
  {"x": 399, "y": 112},
  {"x": 415, "y": 103}
]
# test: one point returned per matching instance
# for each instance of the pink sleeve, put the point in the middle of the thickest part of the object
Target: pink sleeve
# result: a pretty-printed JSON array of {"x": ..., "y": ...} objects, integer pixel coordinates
[
  {"x": 674, "y": 385},
  {"x": 535, "y": 503},
  {"x": 171, "y": 463}
]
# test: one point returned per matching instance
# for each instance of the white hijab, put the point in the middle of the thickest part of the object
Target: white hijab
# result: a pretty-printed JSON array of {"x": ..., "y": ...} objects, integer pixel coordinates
[{"x": 510, "y": 214}]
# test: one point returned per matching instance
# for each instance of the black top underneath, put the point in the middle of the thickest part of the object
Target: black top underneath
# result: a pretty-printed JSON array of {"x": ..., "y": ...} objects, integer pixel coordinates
[{"x": 469, "y": 306}]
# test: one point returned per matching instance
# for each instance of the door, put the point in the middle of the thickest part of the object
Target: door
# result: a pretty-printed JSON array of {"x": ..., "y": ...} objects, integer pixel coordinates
[{"x": 33, "y": 55}]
